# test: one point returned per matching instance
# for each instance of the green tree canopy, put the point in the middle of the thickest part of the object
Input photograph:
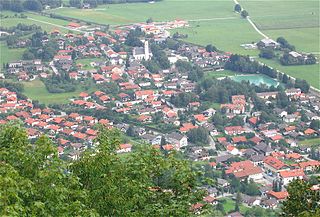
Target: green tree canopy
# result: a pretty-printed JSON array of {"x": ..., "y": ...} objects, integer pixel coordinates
[{"x": 35, "y": 182}]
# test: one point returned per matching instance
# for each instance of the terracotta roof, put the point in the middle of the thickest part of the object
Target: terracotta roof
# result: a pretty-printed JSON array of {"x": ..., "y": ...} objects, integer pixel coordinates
[
  {"x": 274, "y": 162},
  {"x": 291, "y": 173}
]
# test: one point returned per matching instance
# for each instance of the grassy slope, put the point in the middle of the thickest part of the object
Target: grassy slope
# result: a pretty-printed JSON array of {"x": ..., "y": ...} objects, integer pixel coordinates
[{"x": 36, "y": 90}]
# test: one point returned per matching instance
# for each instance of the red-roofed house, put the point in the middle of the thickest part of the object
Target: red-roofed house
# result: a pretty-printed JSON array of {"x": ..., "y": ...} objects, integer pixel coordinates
[
  {"x": 234, "y": 130},
  {"x": 273, "y": 164},
  {"x": 289, "y": 175},
  {"x": 245, "y": 169},
  {"x": 309, "y": 165}
]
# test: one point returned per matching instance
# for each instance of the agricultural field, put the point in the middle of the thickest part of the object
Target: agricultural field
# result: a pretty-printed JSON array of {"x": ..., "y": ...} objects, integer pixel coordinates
[
  {"x": 297, "y": 21},
  {"x": 166, "y": 10},
  {"x": 46, "y": 23},
  {"x": 36, "y": 90},
  {"x": 226, "y": 35}
]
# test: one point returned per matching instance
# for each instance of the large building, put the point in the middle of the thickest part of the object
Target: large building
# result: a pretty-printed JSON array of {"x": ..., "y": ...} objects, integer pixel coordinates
[{"x": 142, "y": 53}]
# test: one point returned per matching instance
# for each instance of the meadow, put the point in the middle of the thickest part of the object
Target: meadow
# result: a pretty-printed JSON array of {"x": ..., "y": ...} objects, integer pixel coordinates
[
  {"x": 7, "y": 55},
  {"x": 46, "y": 23},
  {"x": 36, "y": 90},
  {"x": 166, "y": 10},
  {"x": 226, "y": 35}
]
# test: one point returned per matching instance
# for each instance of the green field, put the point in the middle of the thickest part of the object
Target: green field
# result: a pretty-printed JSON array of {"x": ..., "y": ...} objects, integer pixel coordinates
[
  {"x": 160, "y": 11},
  {"x": 226, "y": 35},
  {"x": 219, "y": 74},
  {"x": 36, "y": 90},
  {"x": 229, "y": 206},
  {"x": 297, "y": 21},
  {"x": 310, "y": 142},
  {"x": 7, "y": 55},
  {"x": 310, "y": 73},
  {"x": 86, "y": 62},
  {"x": 48, "y": 24}
]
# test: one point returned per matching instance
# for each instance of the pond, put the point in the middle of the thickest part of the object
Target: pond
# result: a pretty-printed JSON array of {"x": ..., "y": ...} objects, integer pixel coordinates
[{"x": 256, "y": 79}]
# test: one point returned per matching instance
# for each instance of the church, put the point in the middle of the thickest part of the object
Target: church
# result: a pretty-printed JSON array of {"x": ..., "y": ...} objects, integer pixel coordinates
[{"x": 142, "y": 53}]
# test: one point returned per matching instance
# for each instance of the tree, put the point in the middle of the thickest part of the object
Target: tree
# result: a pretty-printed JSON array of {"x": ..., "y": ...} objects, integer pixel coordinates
[
  {"x": 38, "y": 182},
  {"x": 27, "y": 55},
  {"x": 149, "y": 20},
  {"x": 238, "y": 202},
  {"x": 35, "y": 182},
  {"x": 267, "y": 53},
  {"x": 211, "y": 48},
  {"x": 33, "y": 5},
  {"x": 315, "y": 124},
  {"x": 75, "y": 3},
  {"x": 244, "y": 14},
  {"x": 146, "y": 183},
  {"x": 163, "y": 141},
  {"x": 302, "y": 201},
  {"x": 302, "y": 84},
  {"x": 237, "y": 8},
  {"x": 199, "y": 135}
]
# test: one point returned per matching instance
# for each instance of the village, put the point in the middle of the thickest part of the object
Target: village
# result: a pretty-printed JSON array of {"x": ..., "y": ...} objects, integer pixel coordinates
[{"x": 155, "y": 90}]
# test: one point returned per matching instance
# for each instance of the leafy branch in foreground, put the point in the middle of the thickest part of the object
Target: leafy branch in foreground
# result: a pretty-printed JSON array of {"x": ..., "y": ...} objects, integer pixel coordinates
[{"x": 147, "y": 182}]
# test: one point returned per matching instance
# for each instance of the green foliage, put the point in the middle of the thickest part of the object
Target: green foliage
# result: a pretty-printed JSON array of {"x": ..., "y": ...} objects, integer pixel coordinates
[
  {"x": 302, "y": 201},
  {"x": 211, "y": 48},
  {"x": 35, "y": 182},
  {"x": 199, "y": 136},
  {"x": 60, "y": 83},
  {"x": 267, "y": 53},
  {"x": 285, "y": 44},
  {"x": 183, "y": 99},
  {"x": 237, "y": 8},
  {"x": 244, "y": 14},
  {"x": 240, "y": 63},
  {"x": 302, "y": 84}
]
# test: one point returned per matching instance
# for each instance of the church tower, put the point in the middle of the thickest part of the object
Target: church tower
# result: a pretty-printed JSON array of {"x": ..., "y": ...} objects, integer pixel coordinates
[{"x": 146, "y": 50}]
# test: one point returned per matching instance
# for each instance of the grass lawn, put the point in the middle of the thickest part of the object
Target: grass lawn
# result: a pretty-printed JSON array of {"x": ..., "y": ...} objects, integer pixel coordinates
[
  {"x": 86, "y": 62},
  {"x": 310, "y": 142},
  {"x": 311, "y": 73},
  {"x": 160, "y": 11},
  {"x": 8, "y": 55},
  {"x": 36, "y": 90},
  {"x": 219, "y": 74},
  {"x": 229, "y": 206}
]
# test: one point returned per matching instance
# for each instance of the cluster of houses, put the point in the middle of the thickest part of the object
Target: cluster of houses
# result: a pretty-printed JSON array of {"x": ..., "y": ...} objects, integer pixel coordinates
[{"x": 144, "y": 96}]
